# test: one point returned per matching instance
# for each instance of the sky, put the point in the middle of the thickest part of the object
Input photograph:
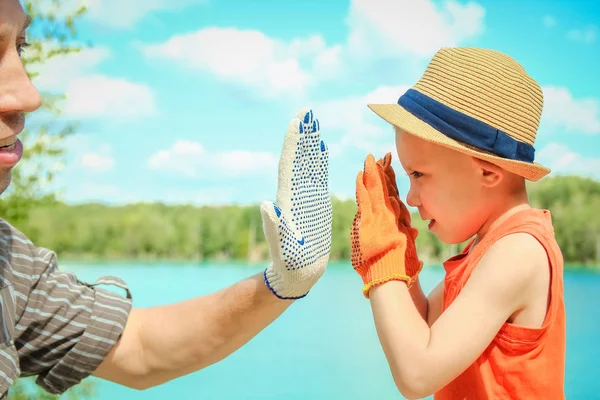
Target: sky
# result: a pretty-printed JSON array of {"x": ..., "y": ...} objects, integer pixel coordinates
[{"x": 187, "y": 101}]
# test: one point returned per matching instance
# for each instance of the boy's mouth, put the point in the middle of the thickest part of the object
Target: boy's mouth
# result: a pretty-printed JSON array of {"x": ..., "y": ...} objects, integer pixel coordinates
[{"x": 431, "y": 223}]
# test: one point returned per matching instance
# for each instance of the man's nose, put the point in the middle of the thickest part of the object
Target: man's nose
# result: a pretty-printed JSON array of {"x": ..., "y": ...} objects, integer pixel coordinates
[{"x": 17, "y": 93}]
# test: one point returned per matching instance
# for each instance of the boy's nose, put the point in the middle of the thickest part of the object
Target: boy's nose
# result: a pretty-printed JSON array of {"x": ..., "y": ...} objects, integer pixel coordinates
[
  {"x": 412, "y": 198},
  {"x": 17, "y": 93}
]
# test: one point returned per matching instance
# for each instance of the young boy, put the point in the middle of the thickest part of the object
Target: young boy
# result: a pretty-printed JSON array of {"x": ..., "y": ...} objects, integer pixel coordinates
[{"x": 494, "y": 328}]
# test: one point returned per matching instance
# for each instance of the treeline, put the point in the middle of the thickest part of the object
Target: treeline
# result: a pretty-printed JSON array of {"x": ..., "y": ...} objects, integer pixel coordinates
[{"x": 157, "y": 231}]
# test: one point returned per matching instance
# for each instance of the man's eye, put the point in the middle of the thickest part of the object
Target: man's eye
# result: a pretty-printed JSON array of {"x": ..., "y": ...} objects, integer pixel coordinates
[{"x": 21, "y": 48}]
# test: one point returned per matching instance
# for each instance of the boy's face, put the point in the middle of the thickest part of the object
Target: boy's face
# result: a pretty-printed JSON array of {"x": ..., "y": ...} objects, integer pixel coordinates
[
  {"x": 17, "y": 94},
  {"x": 445, "y": 186}
]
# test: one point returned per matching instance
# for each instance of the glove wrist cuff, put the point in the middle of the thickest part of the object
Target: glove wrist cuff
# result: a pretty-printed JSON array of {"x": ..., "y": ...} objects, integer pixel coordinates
[
  {"x": 279, "y": 287},
  {"x": 389, "y": 266}
]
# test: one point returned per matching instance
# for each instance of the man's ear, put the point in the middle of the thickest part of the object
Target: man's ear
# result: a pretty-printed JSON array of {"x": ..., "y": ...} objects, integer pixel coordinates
[{"x": 490, "y": 174}]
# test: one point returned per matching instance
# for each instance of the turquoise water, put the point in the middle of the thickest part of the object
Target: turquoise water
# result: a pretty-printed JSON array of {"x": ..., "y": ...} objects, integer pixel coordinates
[{"x": 324, "y": 346}]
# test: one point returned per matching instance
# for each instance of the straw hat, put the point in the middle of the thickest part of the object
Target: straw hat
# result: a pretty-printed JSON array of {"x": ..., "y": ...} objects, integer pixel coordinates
[{"x": 477, "y": 101}]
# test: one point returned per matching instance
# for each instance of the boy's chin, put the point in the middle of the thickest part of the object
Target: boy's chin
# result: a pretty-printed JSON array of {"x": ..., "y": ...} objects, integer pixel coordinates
[{"x": 450, "y": 239}]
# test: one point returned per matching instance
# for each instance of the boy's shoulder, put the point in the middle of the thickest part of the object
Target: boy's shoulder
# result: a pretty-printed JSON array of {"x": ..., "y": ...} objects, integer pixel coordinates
[
  {"x": 520, "y": 244},
  {"x": 512, "y": 265},
  {"x": 518, "y": 252},
  {"x": 516, "y": 267}
]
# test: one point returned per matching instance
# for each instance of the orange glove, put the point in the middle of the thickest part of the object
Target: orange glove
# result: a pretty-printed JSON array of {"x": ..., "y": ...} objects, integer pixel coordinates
[
  {"x": 380, "y": 237},
  {"x": 412, "y": 263}
]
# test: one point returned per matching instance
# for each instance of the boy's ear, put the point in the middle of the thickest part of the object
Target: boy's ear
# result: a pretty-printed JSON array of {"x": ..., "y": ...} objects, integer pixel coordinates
[{"x": 490, "y": 174}]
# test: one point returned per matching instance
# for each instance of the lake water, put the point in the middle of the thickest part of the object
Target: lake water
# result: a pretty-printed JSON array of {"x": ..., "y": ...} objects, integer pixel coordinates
[{"x": 324, "y": 346}]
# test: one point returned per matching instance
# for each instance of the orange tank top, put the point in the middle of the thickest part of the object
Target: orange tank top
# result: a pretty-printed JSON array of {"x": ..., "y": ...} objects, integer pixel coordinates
[{"x": 520, "y": 362}]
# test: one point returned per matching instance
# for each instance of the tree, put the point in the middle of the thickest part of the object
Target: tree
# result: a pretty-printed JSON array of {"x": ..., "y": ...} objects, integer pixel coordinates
[
  {"x": 52, "y": 33},
  {"x": 26, "y": 389}
]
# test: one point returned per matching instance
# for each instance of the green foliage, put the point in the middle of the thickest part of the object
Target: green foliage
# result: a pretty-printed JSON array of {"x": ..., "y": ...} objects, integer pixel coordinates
[
  {"x": 156, "y": 231},
  {"x": 26, "y": 389},
  {"x": 575, "y": 206}
]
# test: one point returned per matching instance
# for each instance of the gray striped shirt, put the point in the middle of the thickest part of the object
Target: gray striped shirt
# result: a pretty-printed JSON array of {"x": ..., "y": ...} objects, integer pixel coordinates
[{"x": 52, "y": 324}]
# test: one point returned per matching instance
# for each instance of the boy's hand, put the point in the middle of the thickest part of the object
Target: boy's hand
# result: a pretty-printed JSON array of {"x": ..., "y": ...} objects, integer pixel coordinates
[
  {"x": 412, "y": 263},
  {"x": 379, "y": 240},
  {"x": 298, "y": 226}
]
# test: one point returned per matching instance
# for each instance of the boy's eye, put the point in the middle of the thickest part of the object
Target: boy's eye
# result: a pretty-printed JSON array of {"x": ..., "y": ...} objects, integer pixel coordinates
[{"x": 416, "y": 174}]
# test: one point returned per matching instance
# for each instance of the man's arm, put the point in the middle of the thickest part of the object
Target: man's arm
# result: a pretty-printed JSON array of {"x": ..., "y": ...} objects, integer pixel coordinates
[
  {"x": 69, "y": 329},
  {"x": 162, "y": 343},
  {"x": 423, "y": 359},
  {"x": 165, "y": 342}
]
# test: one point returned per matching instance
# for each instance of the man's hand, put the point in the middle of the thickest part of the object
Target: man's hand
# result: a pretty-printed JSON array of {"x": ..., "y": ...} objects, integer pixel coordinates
[
  {"x": 298, "y": 225},
  {"x": 165, "y": 342}
]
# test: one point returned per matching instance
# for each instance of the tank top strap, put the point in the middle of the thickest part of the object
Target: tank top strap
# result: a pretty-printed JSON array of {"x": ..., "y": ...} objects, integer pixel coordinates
[
  {"x": 533, "y": 221},
  {"x": 538, "y": 224}
]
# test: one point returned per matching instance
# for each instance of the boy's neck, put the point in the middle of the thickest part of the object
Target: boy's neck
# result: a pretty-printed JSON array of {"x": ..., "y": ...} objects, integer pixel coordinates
[{"x": 499, "y": 216}]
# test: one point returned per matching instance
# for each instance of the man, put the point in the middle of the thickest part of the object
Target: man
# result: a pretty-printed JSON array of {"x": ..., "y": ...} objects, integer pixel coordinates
[{"x": 62, "y": 329}]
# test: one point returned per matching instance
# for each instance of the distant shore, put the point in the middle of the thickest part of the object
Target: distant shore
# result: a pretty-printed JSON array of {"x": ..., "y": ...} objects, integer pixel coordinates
[{"x": 239, "y": 261}]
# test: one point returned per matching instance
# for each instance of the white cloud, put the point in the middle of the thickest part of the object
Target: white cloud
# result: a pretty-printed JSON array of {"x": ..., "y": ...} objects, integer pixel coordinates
[
  {"x": 586, "y": 35},
  {"x": 362, "y": 129},
  {"x": 562, "y": 160},
  {"x": 91, "y": 95},
  {"x": 125, "y": 14},
  {"x": 549, "y": 21},
  {"x": 414, "y": 27},
  {"x": 574, "y": 115},
  {"x": 97, "y": 162},
  {"x": 181, "y": 158},
  {"x": 102, "y": 96},
  {"x": 90, "y": 156},
  {"x": 251, "y": 58},
  {"x": 191, "y": 160},
  {"x": 273, "y": 67},
  {"x": 59, "y": 71}
]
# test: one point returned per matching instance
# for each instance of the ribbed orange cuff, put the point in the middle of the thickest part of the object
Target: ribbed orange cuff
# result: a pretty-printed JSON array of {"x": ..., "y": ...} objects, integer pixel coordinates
[
  {"x": 414, "y": 274},
  {"x": 386, "y": 268},
  {"x": 372, "y": 284}
]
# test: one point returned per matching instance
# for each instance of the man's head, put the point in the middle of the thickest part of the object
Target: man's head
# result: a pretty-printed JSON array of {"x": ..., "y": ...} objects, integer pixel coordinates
[
  {"x": 17, "y": 94},
  {"x": 457, "y": 192}
]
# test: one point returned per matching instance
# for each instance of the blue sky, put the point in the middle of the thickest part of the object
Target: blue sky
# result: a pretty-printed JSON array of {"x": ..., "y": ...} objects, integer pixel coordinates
[{"x": 187, "y": 101}]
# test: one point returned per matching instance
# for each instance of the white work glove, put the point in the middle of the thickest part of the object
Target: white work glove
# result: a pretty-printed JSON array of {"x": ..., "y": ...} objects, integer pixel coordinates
[{"x": 298, "y": 226}]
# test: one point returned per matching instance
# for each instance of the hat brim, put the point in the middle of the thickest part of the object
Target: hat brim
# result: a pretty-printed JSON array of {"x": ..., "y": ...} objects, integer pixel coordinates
[{"x": 399, "y": 117}]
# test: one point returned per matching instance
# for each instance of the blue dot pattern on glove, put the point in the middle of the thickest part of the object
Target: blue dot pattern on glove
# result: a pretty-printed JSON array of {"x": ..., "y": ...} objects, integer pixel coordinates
[{"x": 311, "y": 212}]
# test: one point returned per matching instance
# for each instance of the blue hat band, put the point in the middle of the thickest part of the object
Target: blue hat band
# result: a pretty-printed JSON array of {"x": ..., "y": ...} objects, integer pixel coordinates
[{"x": 464, "y": 128}]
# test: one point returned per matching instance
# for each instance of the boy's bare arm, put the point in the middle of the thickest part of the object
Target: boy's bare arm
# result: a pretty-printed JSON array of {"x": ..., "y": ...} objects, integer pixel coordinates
[
  {"x": 419, "y": 298},
  {"x": 430, "y": 306},
  {"x": 423, "y": 359},
  {"x": 435, "y": 303}
]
